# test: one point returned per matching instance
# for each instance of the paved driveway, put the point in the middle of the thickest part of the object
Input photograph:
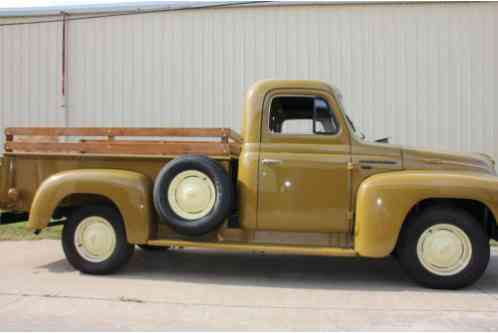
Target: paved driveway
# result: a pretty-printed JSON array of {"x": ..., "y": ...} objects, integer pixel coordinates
[{"x": 192, "y": 290}]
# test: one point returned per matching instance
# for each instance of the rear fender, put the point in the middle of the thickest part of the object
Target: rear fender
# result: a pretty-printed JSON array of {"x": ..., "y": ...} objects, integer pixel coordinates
[
  {"x": 384, "y": 201},
  {"x": 131, "y": 192}
]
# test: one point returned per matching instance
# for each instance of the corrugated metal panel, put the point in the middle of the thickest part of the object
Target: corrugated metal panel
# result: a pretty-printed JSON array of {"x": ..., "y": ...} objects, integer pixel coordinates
[
  {"x": 422, "y": 74},
  {"x": 30, "y": 79}
]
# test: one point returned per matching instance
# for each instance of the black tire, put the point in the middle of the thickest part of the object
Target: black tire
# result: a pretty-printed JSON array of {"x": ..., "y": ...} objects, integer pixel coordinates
[
  {"x": 411, "y": 233},
  {"x": 122, "y": 251},
  {"x": 222, "y": 205},
  {"x": 153, "y": 248}
]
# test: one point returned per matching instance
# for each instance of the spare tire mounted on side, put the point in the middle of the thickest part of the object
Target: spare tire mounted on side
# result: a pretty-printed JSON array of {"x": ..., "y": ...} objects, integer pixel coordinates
[{"x": 193, "y": 194}]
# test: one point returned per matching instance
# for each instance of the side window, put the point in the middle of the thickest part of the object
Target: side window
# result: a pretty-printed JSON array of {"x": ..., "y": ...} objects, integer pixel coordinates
[{"x": 301, "y": 115}]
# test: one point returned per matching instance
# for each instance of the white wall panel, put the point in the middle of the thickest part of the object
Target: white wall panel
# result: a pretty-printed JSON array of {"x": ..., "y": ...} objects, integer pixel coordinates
[
  {"x": 30, "y": 75},
  {"x": 423, "y": 74}
]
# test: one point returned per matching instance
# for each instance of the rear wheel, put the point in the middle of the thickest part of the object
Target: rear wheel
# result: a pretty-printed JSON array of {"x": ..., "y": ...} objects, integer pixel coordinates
[
  {"x": 444, "y": 247},
  {"x": 94, "y": 240}
]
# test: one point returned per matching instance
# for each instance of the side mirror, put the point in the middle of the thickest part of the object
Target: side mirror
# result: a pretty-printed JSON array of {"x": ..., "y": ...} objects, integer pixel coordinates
[{"x": 383, "y": 140}]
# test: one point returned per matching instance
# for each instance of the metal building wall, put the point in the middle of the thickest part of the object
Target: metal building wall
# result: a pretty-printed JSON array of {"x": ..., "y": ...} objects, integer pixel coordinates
[
  {"x": 423, "y": 74},
  {"x": 30, "y": 74}
]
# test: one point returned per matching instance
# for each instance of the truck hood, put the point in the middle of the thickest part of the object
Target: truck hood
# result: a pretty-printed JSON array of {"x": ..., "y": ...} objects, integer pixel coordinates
[{"x": 416, "y": 159}]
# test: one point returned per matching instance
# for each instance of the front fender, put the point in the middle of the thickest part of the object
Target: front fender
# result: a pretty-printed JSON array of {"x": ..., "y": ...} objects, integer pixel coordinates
[
  {"x": 384, "y": 201},
  {"x": 130, "y": 191}
]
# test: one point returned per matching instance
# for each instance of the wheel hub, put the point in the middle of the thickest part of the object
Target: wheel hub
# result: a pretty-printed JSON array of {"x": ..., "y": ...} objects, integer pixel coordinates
[
  {"x": 444, "y": 249},
  {"x": 191, "y": 194},
  {"x": 95, "y": 239}
]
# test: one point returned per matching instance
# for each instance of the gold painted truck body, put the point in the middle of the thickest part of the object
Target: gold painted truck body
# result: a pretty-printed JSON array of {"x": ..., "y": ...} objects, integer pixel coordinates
[{"x": 319, "y": 191}]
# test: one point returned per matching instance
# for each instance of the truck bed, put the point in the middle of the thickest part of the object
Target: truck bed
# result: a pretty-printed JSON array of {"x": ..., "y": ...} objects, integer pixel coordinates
[{"x": 34, "y": 154}]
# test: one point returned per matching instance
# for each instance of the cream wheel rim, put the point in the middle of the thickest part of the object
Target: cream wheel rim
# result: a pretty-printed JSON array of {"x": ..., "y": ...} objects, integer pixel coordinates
[
  {"x": 444, "y": 249},
  {"x": 95, "y": 239},
  {"x": 191, "y": 194}
]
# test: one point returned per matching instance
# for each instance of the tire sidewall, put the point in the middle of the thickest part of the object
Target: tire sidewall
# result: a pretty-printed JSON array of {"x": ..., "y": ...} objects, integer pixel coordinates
[
  {"x": 410, "y": 260},
  {"x": 122, "y": 251},
  {"x": 222, "y": 185}
]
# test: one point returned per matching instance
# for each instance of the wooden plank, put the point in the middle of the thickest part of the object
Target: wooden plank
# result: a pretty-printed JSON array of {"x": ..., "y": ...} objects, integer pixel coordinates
[
  {"x": 107, "y": 147},
  {"x": 235, "y": 148},
  {"x": 106, "y": 156},
  {"x": 116, "y": 131},
  {"x": 148, "y": 142}
]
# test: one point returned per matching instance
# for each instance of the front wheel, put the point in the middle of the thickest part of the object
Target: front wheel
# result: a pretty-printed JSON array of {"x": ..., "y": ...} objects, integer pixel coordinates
[
  {"x": 94, "y": 240},
  {"x": 444, "y": 248}
]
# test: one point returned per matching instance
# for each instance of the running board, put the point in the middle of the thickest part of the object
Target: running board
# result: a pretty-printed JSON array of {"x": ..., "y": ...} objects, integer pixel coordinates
[{"x": 234, "y": 246}]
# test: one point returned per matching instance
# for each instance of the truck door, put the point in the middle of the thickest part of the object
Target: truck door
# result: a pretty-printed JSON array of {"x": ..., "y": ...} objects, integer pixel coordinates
[{"x": 304, "y": 182}]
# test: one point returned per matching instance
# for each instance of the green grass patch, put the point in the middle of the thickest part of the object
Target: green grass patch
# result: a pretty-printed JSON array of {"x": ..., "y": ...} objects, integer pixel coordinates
[{"x": 17, "y": 231}]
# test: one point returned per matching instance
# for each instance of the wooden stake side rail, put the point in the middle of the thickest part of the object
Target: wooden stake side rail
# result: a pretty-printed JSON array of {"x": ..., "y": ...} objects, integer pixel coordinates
[
  {"x": 47, "y": 140},
  {"x": 130, "y": 131}
]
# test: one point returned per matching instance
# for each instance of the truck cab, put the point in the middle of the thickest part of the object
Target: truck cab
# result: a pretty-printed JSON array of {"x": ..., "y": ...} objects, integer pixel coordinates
[{"x": 300, "y": 144}]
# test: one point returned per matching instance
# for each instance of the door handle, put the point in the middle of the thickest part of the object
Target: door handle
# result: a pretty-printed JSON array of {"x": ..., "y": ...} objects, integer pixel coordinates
[{"x": 268, "y": 161}]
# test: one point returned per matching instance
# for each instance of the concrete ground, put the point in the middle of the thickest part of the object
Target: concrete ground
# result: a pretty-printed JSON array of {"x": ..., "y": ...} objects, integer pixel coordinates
[{"x": 199, "y": 290}]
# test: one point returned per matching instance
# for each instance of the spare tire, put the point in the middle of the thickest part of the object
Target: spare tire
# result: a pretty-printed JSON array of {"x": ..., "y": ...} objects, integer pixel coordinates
[{"x": 193, "y": 194}]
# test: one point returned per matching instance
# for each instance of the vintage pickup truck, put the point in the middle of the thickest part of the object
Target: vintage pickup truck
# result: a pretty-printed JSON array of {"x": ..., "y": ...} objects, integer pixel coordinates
[{"x": 300, "y": 179}]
